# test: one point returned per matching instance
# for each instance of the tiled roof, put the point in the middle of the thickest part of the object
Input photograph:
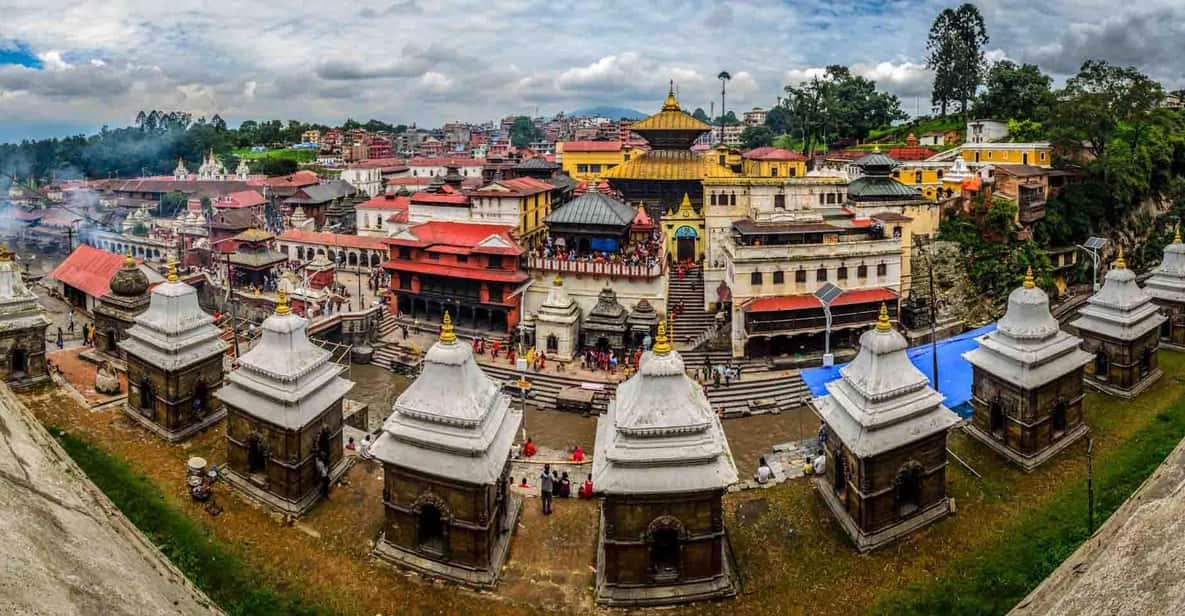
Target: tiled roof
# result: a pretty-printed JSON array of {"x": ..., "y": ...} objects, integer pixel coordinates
[
  {"x": 746, "y": 225},
  {"x": 806, "y": 301},
  {"x": 88, "y": 269},
  {"x": 321, "y": 193},
  {"x": 254, "y": 235},
  {"x": 1021, "y": 170},
  {"x": 913, "y": 153},
  {"x": 592, "y": 208},
  {"x": 333, "y": 239},
  {"x": 443, "y": 161},
  {"x": 590, "y": 146},
  {"x": 242, "y": 198},
  {"x": 300, "y": 178},
  {"x": 387, "y": 201},
  {"x": 496, "y": 238},
  {"x": 536, "y": 163},
  {"x": 515, "y": 188},
  {"x": 454, "y": 271},
  {"x": 772, "y": 153},
  {"x": 667, "y": 165}
]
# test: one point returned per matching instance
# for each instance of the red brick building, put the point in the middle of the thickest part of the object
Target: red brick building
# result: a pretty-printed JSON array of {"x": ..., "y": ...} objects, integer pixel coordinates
[{"x": 472, "y": 270}]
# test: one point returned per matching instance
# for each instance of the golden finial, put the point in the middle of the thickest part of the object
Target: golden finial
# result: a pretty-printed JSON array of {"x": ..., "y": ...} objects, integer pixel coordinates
[
  {"x": 282, "y": 302},
  {"x": 882, "y": 322},
  {"x": 1120, "y": 262},
  {"x": 1029, "y": 283},
  {"x": 685, "y": 206},
  {"x": 671, "y": 103},
  {"x": 558, "y": 280},
  {"x": 447, "y": 335},
  {"x": 1177, "y": 235},
  {"x": 5, "y": 254},
  {"x": 661, "y": 345},
  {"x": 128, "y": 261},
  {"x": 172, "y": 270}
]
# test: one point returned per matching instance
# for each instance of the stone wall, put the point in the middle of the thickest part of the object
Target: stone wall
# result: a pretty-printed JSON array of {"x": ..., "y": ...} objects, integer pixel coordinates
[{"x": 629, "y": 526}]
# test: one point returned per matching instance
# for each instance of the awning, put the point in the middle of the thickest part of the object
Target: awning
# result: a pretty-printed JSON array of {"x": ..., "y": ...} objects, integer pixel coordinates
[{"x": 807, "y": 301}]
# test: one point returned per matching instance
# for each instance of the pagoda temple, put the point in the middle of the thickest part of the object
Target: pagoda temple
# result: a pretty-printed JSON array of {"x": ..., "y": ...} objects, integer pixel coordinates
[
  {"x": 174, "y": 355},
  {"x": 1167, "y": 288},
  {"x": 885, "y": 443},
  {"x": 22, "y": 329},
  {"x": 284, "y": 411},
  {"x": 660, "y": 177},
  {"x": 445, "y": 452},
  {"x": 643, "y": 324},
  {"x": 1120, "y": 326},
  {"x": 663, "y": 465},
  {"x": 116, "y": 311},
  {"x": 1027, "y": 386},
  {"x": 557, "y": 325},
  {"x": 605, "y": 327}
]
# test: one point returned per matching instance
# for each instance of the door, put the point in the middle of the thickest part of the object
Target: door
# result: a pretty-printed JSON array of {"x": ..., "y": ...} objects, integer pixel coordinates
[{"x": 685, "y": 249}]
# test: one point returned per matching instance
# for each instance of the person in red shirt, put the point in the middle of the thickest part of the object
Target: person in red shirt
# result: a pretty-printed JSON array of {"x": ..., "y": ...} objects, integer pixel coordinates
[
  {"x": 578, "y": 454},
  {"x": 586, "y": 489},
  {"x": 529, "y": 448}
]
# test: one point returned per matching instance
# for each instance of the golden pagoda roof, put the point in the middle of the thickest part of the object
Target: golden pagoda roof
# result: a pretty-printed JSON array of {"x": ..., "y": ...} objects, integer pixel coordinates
[
  {"x": 668, "y": 165},
  {"x": 672, "y": 117}
]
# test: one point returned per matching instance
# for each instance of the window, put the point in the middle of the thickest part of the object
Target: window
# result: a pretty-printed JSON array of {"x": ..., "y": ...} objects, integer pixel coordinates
[
  {"x": 494, "y": 261},
  {"x": 779, "y": 277},
  {"x": 755, "y": 278},
  {"x": 896, "y": 233},
  {"x": 821, "y": 198},
  {"x": 594, "y": 168},
  {"x": 861, "y": 271},
  {"x": 581, "y": 168},
  {"x": 712, "y": 199},
  {"x": 917, "y": 177},
  {"x": 793, "y": 171},
  {"x": 881, "y": 269},
  {"x": 831, "y": 198},
  {"x": 626, "y": 158},
  {"x": 1043, "y": 156},
  {"x": 404, "y": 280},
  {"x": 821, "y": 274},
  {"x": 780, "y": 201},
  {"x": 842, "y": 272},
  {"x": 989, "y": 154},
  {"x": 721, "y": 160},
  {"x": 800, "y": 276},
  {"x": 434, "y": 256},
  {"x": 404, "y": 252},
  {"x": 462, "y": 258},
  {"x": 940, "y": 174},
  {"x": 773, "y": 172},
  {"x": 732, "y": 198}
]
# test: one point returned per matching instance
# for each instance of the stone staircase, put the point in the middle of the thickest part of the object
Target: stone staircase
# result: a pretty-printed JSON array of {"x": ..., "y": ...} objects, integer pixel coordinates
[{"x": 695, "y": 325}]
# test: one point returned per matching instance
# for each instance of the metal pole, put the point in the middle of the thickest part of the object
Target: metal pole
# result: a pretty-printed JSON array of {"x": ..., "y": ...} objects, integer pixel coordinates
[
  {"x": 933, "y": 313},
  {"x": 827, "y": 334}
]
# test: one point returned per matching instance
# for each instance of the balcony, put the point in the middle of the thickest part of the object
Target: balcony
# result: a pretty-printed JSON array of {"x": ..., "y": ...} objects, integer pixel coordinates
[{"x": 593, "y": 268}]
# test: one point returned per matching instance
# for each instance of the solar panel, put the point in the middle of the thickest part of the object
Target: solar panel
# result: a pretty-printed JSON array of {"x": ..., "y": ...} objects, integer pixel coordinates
[
  {"x": 1095, "y": 243},
  {"x": 827, "y": 293}
]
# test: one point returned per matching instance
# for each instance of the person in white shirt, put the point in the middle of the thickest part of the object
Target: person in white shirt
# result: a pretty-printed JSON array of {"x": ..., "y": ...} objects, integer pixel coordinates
[
  {"x": 820, "y": 464},
  {"x": 364, "y": 448},
  {"x": 764, "y": 472}
]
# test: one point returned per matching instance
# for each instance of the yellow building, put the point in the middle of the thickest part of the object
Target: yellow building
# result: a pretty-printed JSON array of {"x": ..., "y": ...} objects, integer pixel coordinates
[
  {"x": 926, "y": 178},
  {"x": 311, "y": 136},
  {"x": 763, "y": 162},
  {"x": 527, "y": 199},
  {"x": 1036, "y": 154},
  {"x": 590, "y": 160}
]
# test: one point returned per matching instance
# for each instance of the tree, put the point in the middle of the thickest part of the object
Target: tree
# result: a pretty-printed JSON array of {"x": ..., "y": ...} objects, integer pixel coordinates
[
  {"x": 1025, "y": 131},
  {"x": 1015, "y": 92},
  {"x": 700, "y": 115},
  {"x": 778, "y": 119},
  {"x": 273, "y": 166},
  {"x": 756, "y": 137},
  {"x": 172, "y": 202},
  {"x": 837, "y": 105},
  {"x": 1097, "y": 100},
  {"x": 523, "y": 131},
  {"x": 955, "y": 48}
]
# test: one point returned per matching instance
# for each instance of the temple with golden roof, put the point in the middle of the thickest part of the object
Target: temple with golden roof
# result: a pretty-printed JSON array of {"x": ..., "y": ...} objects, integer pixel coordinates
[{"x": 671, "y": 170}]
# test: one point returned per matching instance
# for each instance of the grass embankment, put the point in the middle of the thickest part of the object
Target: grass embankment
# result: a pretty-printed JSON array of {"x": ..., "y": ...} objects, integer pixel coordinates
[
  {"x": 300, "y": 156},
  {"x": 999, "y": 577},
  {"x": 211, "y": 565}
]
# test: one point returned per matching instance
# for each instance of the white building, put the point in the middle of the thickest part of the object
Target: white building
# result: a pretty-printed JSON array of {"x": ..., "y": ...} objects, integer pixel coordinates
[
  {"x": 365, "y": 178},
  {"x": 985, "y": 131}
]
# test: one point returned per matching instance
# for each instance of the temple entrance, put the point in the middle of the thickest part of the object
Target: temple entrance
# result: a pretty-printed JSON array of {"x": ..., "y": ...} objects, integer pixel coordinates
[
  {"x": 553, "y": 343},
  {"x": 602, "y": 344},
  {"x": 840, "y": 484},
  {"x": 997, "y": 420},
  {"x": 323, "y": 445},
  {"x": 201, "y": 394},
  {"x": 430, "y": 530},
  {"x": 1057, "y": 419},
  {"x": 1166, "y": 329},
  {"x": 685, "y": 248},
  {"x": 256, "y": 458},
  {"x": 1145, "y": 362},
  {"x": 908, "y": 487},
  {"x": 1102, "y": 365},
  {"x": 664, "y": 554},
  {"x": 112, "y": 341},
  {"x": 147, "y": 398},
  {"x": 18, "y": 363}
]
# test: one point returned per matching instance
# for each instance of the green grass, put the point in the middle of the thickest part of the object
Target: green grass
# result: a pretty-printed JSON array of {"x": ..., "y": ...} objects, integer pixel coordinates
[
  {"x": 950, "y": 122},
  {"x": 300, "y": 156},
  {"x": 236, "y": 587},
  {"x": 998, "y": 577}
]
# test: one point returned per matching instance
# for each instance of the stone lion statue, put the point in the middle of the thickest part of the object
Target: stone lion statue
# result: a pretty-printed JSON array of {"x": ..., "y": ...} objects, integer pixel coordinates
[{"x": 106, "y": 378}]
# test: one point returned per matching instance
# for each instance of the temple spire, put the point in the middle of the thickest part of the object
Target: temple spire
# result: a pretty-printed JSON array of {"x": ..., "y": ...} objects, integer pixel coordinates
[
  {"x": 447, "y": 335},
  {"x": 882, "y": 322},
  {"x": 5, "y": 254},
  {"x": 671, "y": 104},
  {"x": 282, "y": 302},
  {"x": 128, "y": 261},
  {"x": 1029, "y": 283},
  {"x": 172, "y": 270},
  {"x": 661, "y": 345},
  {"x": 1177, "y": 234},
  {"x": 1120, "y": 262}
]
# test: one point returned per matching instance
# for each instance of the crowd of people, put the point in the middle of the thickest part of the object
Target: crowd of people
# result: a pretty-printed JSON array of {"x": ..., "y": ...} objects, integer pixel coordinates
[{"x": 645, "y": 252}]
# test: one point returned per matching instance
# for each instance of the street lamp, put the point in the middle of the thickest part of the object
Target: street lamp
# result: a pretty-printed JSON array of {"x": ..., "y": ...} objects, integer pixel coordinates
[
  {"x": 1092, "y": 247},
  {"x": 827, "y": 294}
]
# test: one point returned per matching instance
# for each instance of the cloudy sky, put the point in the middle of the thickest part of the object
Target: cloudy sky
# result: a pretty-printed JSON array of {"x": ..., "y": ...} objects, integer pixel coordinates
[{"x": 67, "y": 66}]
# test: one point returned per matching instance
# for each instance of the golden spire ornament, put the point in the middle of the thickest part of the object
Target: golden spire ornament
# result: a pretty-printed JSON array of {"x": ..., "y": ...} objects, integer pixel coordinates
[
  {"x": 1029, "y": 282},
  {"x": 172, "y": 270},
  {"x": 447, "y": 335},
  {"x": 661, "y": 345},
  {"x": 5, "y": 255},
  {"x": 1177, "y": 234},
  {"x": 128, "y": 261},
  {"x": 1120, "y": 262},
  {"x": 882, "y": 322},
  {"x": 282, "y": 302}
]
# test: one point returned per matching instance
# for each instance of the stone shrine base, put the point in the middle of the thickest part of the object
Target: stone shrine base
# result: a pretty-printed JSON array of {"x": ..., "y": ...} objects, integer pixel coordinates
[
  {"x": 723, "y": 586},
  {"x": 1126, "y": 394},
  {"x": 174, "y": 436},
  {"x": 866, "y": 542},
  {"x": 296, "y": 508},
  {"x": 484, "y": 579},
  {"x": 1028, "y": 463}
]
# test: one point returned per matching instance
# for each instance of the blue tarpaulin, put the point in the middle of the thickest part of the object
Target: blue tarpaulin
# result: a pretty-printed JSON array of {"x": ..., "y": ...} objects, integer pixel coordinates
[
  {"x": 953, "y": 371},
  {"x": 603, "y": 244}
]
